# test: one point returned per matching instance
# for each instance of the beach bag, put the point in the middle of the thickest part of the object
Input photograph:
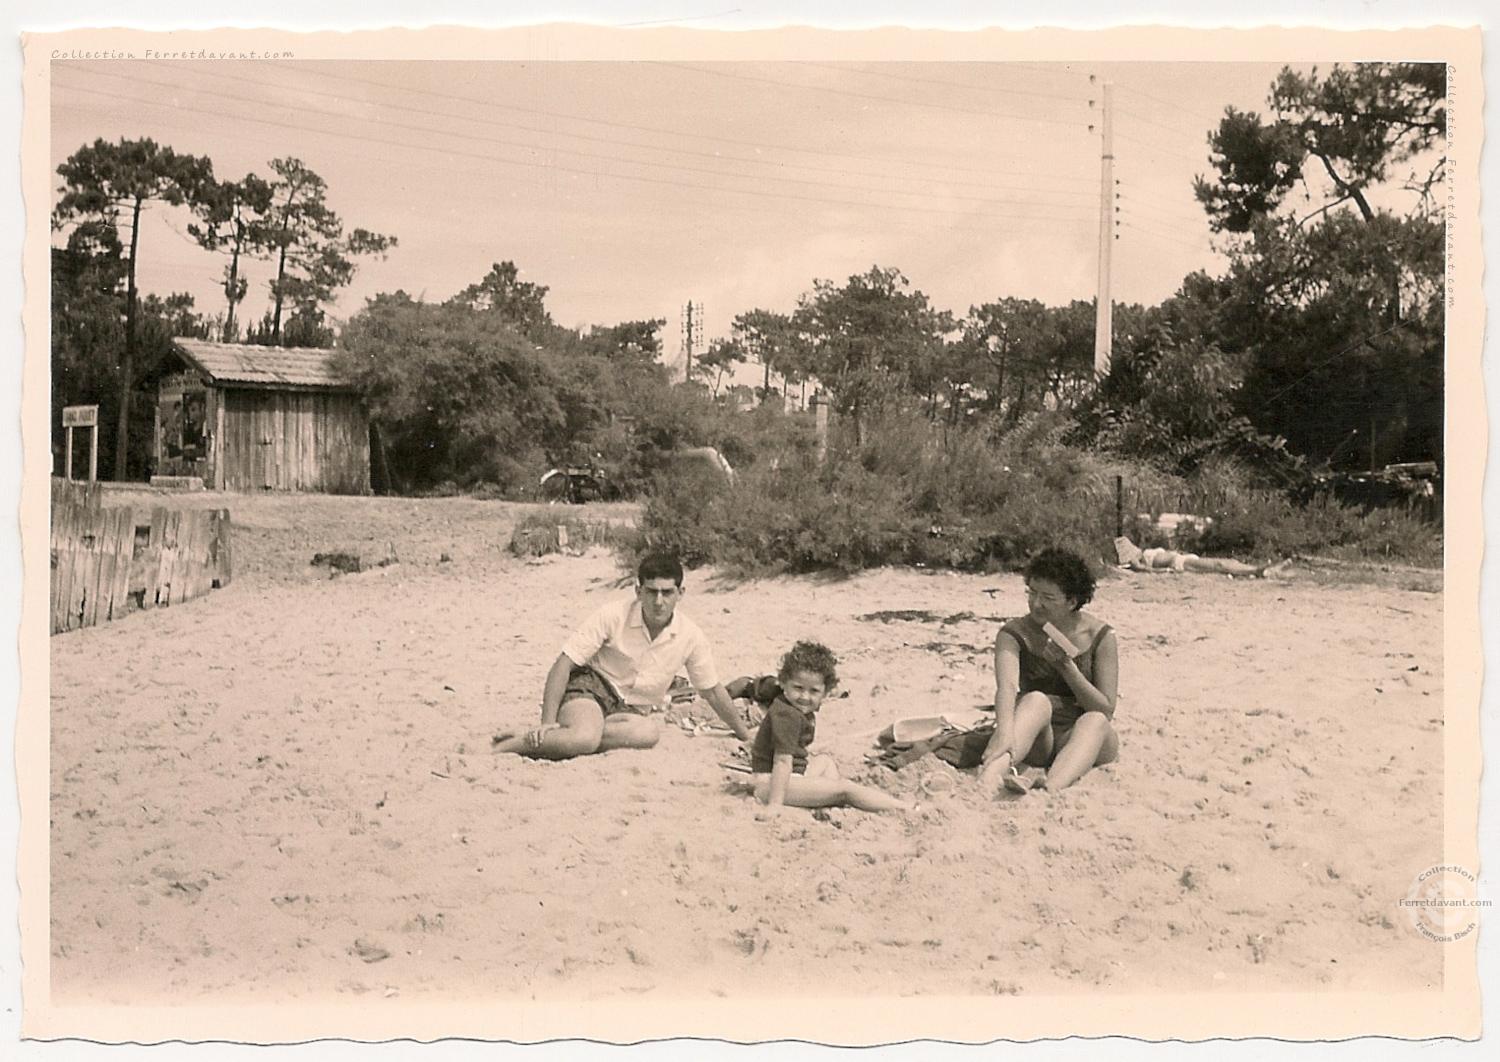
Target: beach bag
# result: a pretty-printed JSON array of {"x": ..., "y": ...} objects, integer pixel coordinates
[{"x": 957, "y": 738}]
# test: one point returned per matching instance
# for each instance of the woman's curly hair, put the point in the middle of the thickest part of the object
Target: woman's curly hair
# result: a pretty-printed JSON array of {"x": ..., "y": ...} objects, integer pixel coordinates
[
  {"x": 810, "y": 656},
  {"x": 1068, "y": 571}
]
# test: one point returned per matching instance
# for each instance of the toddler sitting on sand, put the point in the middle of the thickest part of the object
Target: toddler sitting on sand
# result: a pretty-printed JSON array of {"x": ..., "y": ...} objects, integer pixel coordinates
[{"x": 785, "y": 773}]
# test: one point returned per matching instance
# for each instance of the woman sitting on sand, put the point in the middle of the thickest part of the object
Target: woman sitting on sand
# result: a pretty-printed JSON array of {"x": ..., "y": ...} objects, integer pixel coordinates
[{"x": 1054, "y": 705}]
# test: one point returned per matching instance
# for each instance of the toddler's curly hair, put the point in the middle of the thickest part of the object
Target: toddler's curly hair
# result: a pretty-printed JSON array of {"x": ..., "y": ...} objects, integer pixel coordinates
[{"x": 810, "y": 656}]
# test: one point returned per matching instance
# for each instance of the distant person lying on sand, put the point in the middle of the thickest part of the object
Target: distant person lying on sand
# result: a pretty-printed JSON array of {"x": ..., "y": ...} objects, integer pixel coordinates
[
  {"x": 1171, "y": 560},
  {"x": 786, "y": 774},
  {"x": 1056, "y": 680},
  {"x": 618, "y": 666}
]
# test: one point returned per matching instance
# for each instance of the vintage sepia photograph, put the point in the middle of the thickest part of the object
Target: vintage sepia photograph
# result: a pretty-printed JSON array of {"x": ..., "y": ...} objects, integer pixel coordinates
[{"x": 681, "y": 536}]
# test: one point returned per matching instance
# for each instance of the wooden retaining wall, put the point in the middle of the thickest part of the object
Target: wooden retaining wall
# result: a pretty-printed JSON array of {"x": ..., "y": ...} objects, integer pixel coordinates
[{"x": 110, "y": 560}]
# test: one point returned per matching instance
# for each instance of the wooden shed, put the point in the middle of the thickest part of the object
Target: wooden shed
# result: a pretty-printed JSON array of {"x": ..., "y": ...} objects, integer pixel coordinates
[{"x": 250, "y": 418}]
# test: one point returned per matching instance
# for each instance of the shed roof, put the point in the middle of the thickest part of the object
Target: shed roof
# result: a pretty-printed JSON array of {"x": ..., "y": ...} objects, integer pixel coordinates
[{"x": 250, "y": 365}]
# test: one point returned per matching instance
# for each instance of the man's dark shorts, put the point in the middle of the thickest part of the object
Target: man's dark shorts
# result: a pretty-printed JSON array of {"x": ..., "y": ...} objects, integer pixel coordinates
[{"x": 584, "y": 681}]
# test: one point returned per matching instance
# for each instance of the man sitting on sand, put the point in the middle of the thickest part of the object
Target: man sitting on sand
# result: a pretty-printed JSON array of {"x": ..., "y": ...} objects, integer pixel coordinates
[
  {"x": 1171, "y": 560},
  {"x": 617, "y": 667}
]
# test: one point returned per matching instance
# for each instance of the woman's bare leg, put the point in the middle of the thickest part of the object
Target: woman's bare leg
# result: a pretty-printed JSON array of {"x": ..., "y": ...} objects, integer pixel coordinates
[
  {"x": 1091, "y": 742},
  {"x": 1031, "y": 739},
  {"x": 1223, "y": 566}
]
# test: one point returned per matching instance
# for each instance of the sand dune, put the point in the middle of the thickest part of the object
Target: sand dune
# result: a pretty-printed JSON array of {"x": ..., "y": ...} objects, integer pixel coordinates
[{"x": 284, "y": 791}]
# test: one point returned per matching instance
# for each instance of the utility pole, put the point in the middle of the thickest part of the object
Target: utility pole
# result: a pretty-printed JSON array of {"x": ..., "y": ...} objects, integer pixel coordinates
[
  {"x": 692, "y": 332},
  {"x": 1104, "y": 304}
]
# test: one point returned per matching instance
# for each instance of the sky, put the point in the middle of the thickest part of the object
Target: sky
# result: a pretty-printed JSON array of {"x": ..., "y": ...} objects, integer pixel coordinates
[{"x": 632, "y": 188}]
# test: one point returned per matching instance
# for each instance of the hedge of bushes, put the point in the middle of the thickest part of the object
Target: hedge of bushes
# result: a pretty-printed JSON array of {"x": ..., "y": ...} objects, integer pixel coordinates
[{"x": 910, "y": 495}]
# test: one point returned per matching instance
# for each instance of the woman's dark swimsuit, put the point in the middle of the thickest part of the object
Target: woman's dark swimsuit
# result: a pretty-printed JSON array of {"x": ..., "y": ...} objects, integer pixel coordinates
[{"x": 1038, "y": 676}]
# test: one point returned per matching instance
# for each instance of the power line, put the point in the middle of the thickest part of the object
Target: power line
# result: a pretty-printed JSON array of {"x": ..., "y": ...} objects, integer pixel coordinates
[
  {"x": 1174, "y": 130},
  {"x": 869, "y": 96},
  {"x": 1333, "y": 358},
  {"x": 1046, "y": 68},
  {"x": 1159, "y": 150},
  {"x": 628, "y": 143},
  {"x": 279, "y": 143},
  {"x": 550, "y": 167},
  {"x": 846, "y": 68},
  {"x": 1160, "y": 100},
  {"x": 719, "y": 206},
  {"x": 1166, "y": 228},
  {"x": 678, "y": 132},
  {"x": 1135, "y": 225},
  {"x": 1184, "y": 215},
  {"x": 676, "y": 168}
]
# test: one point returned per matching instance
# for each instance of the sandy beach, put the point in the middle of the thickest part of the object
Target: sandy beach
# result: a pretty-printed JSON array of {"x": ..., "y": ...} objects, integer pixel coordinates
[{"x": 284, "y": 790}]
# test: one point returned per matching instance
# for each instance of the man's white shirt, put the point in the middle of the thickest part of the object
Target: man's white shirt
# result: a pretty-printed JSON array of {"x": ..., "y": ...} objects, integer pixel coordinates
[{"x": 614, "y": 642}]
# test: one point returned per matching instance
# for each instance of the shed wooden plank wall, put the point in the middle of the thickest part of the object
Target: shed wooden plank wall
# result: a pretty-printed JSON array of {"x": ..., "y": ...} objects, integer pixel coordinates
[
  {"x": 294, "y": 441},
  {"x": 110, "y": 561}
]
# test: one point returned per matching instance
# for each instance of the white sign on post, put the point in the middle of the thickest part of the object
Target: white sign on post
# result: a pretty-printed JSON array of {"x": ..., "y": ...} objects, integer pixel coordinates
[{"x": 81, "y": 417}]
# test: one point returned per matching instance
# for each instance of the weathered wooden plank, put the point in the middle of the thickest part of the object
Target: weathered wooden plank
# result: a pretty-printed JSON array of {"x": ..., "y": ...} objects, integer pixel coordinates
[
  {"x": 215, "y": 534},
  {"x": 73, "y": 607},
  {"x": 59, "y": 500},
  {"x": 109, "y": 552},
  {"x": 187, "y": 538},
  {"x": 58, "y": 543},
  {"x": 64, "y": 517},
  {"x": 362, "y": 446},
  {"x": 119, "y": 591},
  {"x": 212, "y": 474},
  {"x": 296, "y": 430},
  {"x": 226, "y": 468},
  {"x": 77, "y": 514},
  {"x": 232, "y": 453},
  {"x": 88, "y": 574},
  {"x": 198, "y": 559},
  {"x": 278, "y": 433},
  {"x": 160, "y": 590},
  {"x": 119, "y": 594},
  {"x": 317, "y": 468},
  {"x": 144, "y": 580},
  {"x": 267, "y": 417},
  {"x": 310, "y": 442},
  {"x": 100, "y": 572},
  {"x": 279, "y": 418},
  {"x": 305, "y": 417},
  {"x": 182, "y": 574},
  {"x": 225, "y": 543},
  {"x": 109, "y": 555}
]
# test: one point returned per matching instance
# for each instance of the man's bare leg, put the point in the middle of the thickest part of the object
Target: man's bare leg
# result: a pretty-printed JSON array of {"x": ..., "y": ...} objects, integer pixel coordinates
[
  {"x": 625, "y": 730},
  {"x": 579, "y": 730}
]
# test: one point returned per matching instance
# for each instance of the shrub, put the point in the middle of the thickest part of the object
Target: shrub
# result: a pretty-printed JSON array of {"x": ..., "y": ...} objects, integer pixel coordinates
[
  {"x": 904, "y": 496},
  {"x": 1268, "y": 525},
  {"x": 543, "y": 532},
  {"x": 907, "y": 495}
]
